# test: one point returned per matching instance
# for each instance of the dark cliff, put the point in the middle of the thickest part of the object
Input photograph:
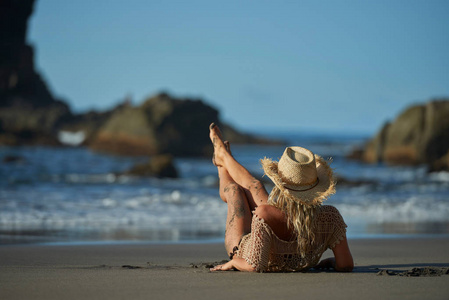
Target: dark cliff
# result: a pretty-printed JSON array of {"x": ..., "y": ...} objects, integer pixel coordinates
[{"x": 29, "y": 114}]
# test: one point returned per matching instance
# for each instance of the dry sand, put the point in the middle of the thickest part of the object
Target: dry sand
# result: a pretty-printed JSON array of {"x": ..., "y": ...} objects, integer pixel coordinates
[{"x": 165, "y": 272}]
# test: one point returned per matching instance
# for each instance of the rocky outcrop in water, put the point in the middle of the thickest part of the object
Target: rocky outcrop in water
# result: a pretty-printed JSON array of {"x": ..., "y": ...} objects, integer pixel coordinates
[
  {"x": 419, "y": 135},
  {"x": 160, "y": 124},
  {"x": 164, "y": 124},
  {"x": 29, "y": 114},
  {"x": 160, "y": 166}
]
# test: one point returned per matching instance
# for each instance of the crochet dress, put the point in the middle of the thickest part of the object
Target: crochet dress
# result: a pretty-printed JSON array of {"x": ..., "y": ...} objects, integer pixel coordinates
[{"x": 266, "y": 252}]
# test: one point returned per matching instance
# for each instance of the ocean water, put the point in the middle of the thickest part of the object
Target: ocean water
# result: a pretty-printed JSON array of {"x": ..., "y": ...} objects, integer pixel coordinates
[{"x": 74, "y": 195}]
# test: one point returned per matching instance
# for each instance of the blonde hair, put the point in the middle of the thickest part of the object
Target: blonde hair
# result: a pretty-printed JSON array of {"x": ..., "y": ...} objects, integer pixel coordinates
[
  {"x": 295, "y": 194},
  {"x": 299, "y": 216}
]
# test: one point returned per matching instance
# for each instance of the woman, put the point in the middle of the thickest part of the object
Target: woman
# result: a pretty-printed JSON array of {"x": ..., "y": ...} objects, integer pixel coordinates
[{"x": 287, "y": 230}]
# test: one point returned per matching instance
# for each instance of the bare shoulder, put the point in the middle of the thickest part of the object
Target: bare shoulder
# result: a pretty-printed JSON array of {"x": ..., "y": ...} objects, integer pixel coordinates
[
  {"x": 269, "y": 212},
  {"x": 276, "y": 219}
]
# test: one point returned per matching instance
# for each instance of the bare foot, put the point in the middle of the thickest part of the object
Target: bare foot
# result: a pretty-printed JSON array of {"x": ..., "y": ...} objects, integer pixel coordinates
[
  {"x": 219, "y": 146},
  {"x": 228, "y": 147}
]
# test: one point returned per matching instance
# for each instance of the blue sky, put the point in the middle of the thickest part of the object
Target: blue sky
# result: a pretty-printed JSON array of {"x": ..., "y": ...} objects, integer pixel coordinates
[{"x": 337, "y": 66}]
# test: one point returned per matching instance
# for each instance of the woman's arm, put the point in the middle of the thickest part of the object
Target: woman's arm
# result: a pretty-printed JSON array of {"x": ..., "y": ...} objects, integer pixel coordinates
[
  {"x": 237, "y": 263},
  {"x": 342, "y": 261},
  {"x": 343, "y": 257}
]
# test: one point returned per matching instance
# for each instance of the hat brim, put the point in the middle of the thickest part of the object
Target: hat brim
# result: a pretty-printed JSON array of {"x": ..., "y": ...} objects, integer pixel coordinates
[{"x": 313, "y": 196}]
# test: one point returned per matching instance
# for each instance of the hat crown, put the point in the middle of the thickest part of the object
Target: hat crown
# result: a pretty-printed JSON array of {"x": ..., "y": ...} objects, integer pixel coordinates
[
  {"x": 299, "y": 176},
  {"x": 297, "y": 167}
]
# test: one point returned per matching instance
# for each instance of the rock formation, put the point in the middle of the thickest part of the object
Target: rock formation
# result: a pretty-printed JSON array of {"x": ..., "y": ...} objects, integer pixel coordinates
[
  {"x": 161, "y": 124},
  {"x": 87, "y": 123},
  {"x": 160, "y": 166},
  {"x": 28, "y": 112},
  {"x": 419, "y": 135}
]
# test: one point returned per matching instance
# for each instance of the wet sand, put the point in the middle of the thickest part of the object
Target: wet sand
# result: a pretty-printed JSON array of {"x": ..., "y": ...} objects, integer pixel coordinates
[{"x": 179, "y": 272}]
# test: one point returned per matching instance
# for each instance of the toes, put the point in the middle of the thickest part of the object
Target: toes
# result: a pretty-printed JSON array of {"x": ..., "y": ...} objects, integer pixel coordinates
[
  {"x": 214, "y": 129},
  {"x": 228, "y": 146},
  {"x": 213, "y": 132},
  {"x": 215, "y": 136}
]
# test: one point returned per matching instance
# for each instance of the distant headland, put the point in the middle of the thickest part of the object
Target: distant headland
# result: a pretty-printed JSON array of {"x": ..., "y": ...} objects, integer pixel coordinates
[{"x": 31, "y": 115}]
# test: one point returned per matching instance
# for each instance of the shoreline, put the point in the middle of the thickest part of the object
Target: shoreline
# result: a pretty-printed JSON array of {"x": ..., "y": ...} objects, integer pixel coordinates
[
  {"x": 169, "y": 271},
  {"x": 351, "y": 237}
]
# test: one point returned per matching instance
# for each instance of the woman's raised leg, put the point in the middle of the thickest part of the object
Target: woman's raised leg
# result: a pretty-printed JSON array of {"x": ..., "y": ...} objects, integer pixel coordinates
[
  {"x": 253, "y": 188},
  {"x": 238, "y": 222}
]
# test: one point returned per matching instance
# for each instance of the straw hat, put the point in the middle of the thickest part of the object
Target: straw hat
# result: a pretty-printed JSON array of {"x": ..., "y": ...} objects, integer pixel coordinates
[{"x": 300, "y": 176}]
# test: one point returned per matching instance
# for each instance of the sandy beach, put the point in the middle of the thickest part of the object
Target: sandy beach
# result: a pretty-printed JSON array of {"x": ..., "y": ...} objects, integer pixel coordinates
[{"x": 173, "y": 271}]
